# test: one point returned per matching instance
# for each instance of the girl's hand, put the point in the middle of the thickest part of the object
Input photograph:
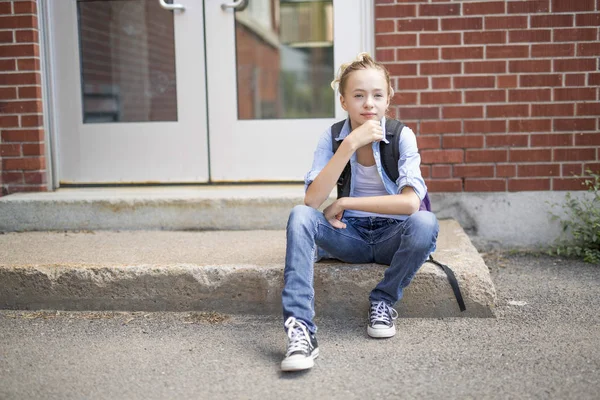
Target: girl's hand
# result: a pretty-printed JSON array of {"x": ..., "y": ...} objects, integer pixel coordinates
[
  {"x": 368, "y": 132},
  {"x": 333, "y": 213}
]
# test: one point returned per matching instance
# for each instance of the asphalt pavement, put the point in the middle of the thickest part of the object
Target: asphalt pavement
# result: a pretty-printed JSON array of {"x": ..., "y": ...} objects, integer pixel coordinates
[{"x": 544, "y": 343}]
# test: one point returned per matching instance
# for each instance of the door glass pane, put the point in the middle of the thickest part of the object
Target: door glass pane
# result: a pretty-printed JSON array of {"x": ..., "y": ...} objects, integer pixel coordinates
[
  {"x": 127, "y": 61},
  {"x": 284, "y": 52}
]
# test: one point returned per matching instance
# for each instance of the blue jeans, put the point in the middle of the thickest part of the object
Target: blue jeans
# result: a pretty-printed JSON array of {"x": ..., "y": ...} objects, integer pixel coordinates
[{"x": 403, "y": 245}]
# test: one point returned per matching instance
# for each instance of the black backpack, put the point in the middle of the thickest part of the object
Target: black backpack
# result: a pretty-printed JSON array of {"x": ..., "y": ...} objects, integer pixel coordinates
[{"x": 390, "y": 154}]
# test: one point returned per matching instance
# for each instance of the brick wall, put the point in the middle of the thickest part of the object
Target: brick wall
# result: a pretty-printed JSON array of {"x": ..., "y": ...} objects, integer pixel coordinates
[
  {"x": 22, "y": 153},
  {"x": 503, "y": 95}
]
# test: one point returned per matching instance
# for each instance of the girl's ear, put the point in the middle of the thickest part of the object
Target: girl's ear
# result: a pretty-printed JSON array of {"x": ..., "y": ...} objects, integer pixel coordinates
[{"x": 343, "y": 103}]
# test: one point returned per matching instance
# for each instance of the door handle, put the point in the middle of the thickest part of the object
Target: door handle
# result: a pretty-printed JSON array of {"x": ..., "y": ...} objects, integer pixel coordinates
[
  {"x": 238, "y": 5},
  {"x": 170, "y": 7}
]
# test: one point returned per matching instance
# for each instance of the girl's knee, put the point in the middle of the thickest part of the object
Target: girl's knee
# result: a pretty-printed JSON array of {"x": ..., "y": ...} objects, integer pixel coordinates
[
  {"x": 423, "y": 227},
  {"x": 302, "y": 215}
]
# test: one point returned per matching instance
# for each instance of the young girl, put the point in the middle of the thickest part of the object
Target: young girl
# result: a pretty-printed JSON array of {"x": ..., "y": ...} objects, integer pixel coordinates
[{"x": 378, "y": 223}]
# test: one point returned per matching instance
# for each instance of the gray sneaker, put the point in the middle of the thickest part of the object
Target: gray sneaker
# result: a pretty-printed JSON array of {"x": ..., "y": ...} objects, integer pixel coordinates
[
  {"x": 381, "y": 320},
  {"x": 302, "y": 347}
]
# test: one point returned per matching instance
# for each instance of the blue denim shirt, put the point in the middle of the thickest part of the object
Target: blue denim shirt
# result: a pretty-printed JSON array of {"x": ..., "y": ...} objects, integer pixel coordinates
[{"x": 408, "y": 164}]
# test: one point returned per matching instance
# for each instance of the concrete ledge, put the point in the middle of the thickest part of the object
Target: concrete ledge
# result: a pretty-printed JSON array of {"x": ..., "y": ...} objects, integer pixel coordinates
[{"x": 225, "y": 271}]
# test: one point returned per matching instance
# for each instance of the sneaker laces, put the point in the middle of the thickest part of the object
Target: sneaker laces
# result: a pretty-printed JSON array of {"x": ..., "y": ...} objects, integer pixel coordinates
[
  {"x": 381, "y": 312},
  {"x": 297, "y": 336}
]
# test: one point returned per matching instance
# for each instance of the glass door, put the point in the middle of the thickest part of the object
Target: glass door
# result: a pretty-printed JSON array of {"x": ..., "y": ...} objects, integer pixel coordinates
[
  {"x": 130, "y": 89},
  {"x": 269, "y": 66}
]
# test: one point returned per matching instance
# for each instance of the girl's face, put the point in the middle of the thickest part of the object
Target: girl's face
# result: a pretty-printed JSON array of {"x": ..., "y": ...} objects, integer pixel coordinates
[{"x": 365, "y": 96}]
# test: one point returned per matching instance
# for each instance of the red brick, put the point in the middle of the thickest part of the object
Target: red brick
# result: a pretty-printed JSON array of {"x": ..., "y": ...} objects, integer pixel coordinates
[
  {"x": 395, "y": 11},
  {"x": 551, "y": 140},
  {"x": 18, "y": 21},
  {"x": 441, "y": 83},
  {"x": 509, "y": 110},
  {"x": 594, "y": 79},
  {"x": 417, "y": 25},
  {"x": 441, "y": 97},
  {"x": 8, "y": 93},
  {"x": 543, "y": 21},
  {"x": 430, "y": 10},
  {"x": 10, "y": 150},
  {"x": 425, "y": 171},
  {"x": 462, "y": 142},
  {"x": 462, "y": 24},
  {"x": 460, "y": 112},
  {"x": 474, "y": 82},
  {"x": 27, "y": 78},
  {"x": 29, "y": 163},
  {"x": 438, "y": 127},
  {"x": 34, "y": 177},
  {"x": 568, "y": 184},
  {"x": 529, "y": 95},
  {"x": 504, "y": 52},
  {"x": 9, "y": 121},
  {"x": 587, "y": 19},
  {"x": 484, "y": 7},
  {"x": 506, "y": 170},
  {"x": 428, "y": 142},
  {"x": 396, "y": 39},
  {"x": 572, "y": 169},
  {"x": 573, "y": 94},
  {"x": 485, "y": 185},
  {"x": 441, "y": 171},
  {"x": 508, "y": 81},
  {"x": 528, "y": 7},
  {"x": 575, "y": 124},
  {"x": 488, "y": 37},
  {"x": 12, "y": 177},
  {"x": 27, "y": 36},
  {"x": 575, "y": 79},
  {"x": 521, "y": 185},
  {"x": 530, "y": 66},
  {"x": 462, "y": 53},
  {"x": 574, "y": 154},
  {"x": 552, "y": 110},
  {"x": 14, "y": 107},
  {"x": 446, "y": 185},
  {"x": 506, "y": 140},
  {"x": 5, "y": 8},
  {"x": 404, "y": 98},
  {"x": 412, "y": 83},
  {"x": 6, "y": 36},
  {"x": 29, "y": 135},
  {"x": 587, "y": 139},
  {"x": 419, "y": 112},
  {"x": 474, "y": 171},
  {"x": 485, "y": 67},
  {"x": 20, "y": 50},
  {"x": 575, "y": 35},
  {"x": 511, "y": 22},
  {"x": 439, "y": 39},
  {"x": 541, "y": 80},
  {"x": 384, "y": 26},
  {"x": 442, "y": 156},
  {"x": 588, "y": 109},
  {"x": 447, "y": 68},
  {"x": 530, "y": 155},
  {"x": 32, "y": 120},
  {"x": 25, "y": 7},
  {"x": 485, "y": 96},
  {"x": 530, "y": 125},
  {"x": 486, "y": 156},
  {"x": 529, "y": 36},
  {"x": 561, "y": 6},
  {"x": 385, "y": 55},
  {"x": 28, "y": 64},
  {"x": 594, "y": 167},
  {"x": 552, "y": 50},
  {"x": 578, "y": 64},
  {"x": 30, "y": 92},
  {"x": 418, "y": 54},
  {"x": 588, "y": 49},
  {"x": 33, "y": 149},
  {"x": 484, "y": 126},
  {"x": 401, "y": 69}
]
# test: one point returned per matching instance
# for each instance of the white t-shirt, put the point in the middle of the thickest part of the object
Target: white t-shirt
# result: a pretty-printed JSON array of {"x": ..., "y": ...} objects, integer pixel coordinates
[{"x": 367, "y": 183}]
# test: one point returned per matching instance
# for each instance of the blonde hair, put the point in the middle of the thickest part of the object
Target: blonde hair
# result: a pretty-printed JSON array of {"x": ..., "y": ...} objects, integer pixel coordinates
[{"x": 362, "y": 61}]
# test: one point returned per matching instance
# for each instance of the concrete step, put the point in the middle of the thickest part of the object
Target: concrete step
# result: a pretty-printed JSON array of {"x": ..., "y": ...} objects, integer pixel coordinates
[{"x": 224, "y": 271}]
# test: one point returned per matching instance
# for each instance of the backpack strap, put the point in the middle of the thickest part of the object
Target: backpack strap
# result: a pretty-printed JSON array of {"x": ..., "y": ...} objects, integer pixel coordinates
[
  {"x": 390, "y": 153},
  {"x": 452, "y": 280},
  {"x": 343, "y": 183}
]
